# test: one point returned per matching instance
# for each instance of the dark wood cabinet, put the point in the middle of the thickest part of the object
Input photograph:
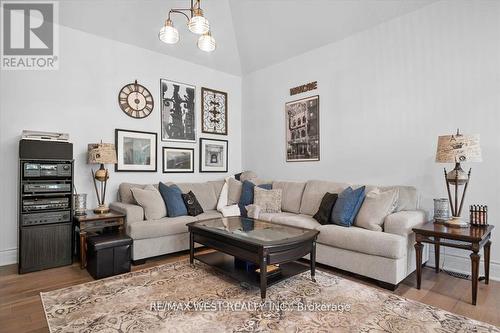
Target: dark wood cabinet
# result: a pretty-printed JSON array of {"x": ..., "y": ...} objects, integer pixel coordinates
[
  {"x": 45, "y": 246},
  {"x": 45, "y": 205}
]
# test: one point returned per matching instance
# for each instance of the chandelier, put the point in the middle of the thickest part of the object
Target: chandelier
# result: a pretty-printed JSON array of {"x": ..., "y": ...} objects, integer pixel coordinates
[{"x": 197, "y": 24}]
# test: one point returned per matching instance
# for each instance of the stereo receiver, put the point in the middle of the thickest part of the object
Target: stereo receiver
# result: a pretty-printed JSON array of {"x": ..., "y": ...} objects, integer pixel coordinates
[
  {"x": 45, "y": 218},
  {"x": 46, "y": 170},
  {"x": 46, "y": 187},
  {"x": 45, "y": 203}
]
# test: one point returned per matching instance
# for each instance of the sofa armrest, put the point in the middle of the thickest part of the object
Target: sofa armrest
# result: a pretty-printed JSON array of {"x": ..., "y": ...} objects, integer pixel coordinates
[
  {"x": 133, "y": 212},
  {"x": 402, "y": 223}
]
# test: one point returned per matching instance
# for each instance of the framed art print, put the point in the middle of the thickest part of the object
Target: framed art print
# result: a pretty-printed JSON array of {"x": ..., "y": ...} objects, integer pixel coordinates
[
  {"x": 302, "y": 129},
  {"x": 213, "y": 111},
  {"x": 135, "y": 150},
  {"x": 213, "y": 155},
  {"x": 178, "y": 160},
  {"x": 178, "y": 121}
]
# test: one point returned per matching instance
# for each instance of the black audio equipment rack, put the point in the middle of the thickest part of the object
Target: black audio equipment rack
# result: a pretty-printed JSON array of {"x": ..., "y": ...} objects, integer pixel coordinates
[{"x": 46, "y": 176}]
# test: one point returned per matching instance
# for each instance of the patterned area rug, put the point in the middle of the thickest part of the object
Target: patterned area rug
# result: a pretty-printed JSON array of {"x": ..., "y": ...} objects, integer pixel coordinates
[{"x": 179, "y": 298}]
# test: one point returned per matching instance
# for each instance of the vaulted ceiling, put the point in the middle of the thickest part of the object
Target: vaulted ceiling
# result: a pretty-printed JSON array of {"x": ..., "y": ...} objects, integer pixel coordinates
[{"x": 250, "y": 34}]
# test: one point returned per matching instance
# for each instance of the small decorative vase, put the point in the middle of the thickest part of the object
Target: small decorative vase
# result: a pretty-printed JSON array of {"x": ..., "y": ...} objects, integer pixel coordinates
[
  {"x": 80, "y": 204},
  {"x": 441, "y": 210}
]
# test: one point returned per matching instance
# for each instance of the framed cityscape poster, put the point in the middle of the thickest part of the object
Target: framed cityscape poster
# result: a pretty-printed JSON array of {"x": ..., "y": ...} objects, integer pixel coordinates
[
  {"x": 178, "y": 160},
  {"x": 135, "y": 151},
  {"x": 213, "y": 155},
  {"x": 213, "y": 111},
  {"x": 178, "y": 121},
  {"x": 302, "y": 129}
]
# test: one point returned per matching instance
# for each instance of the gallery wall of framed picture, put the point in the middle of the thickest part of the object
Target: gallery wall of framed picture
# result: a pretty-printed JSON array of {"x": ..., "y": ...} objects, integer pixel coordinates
[
  {"x": 302, "y": 129},
  {"x": 213, "y": 111},
  {"x": 137, "y": 151},
  {"x": 178, "y": 160},
  {"x": 213, "y": 155}
]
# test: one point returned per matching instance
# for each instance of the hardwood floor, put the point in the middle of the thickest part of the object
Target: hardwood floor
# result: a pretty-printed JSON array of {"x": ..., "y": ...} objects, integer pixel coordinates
[{"x": 21, "y": 309}]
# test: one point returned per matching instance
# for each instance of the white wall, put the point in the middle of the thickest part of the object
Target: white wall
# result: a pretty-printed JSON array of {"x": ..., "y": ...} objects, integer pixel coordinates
[
  {"x": 385, "y": 96},
  {"x": 81, "y": 99}
]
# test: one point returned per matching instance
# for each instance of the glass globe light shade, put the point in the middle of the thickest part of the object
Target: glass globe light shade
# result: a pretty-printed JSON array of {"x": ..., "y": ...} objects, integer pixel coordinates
[
  {"x": 168, "y": 33},
  {"x": 206, "y": 42},
  {"x": 197, "y": 23}
]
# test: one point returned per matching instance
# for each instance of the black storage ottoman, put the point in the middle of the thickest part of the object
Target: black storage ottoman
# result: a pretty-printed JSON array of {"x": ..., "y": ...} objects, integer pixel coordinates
[{"x": 108, "y": 255}]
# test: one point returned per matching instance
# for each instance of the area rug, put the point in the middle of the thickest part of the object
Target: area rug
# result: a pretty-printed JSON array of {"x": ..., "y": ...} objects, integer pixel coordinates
[{"x": 180, "y": 298}]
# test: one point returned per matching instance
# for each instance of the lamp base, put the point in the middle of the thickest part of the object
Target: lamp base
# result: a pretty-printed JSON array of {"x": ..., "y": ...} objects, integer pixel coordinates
[
  {"x": 456, "y": 222},
  {"x": 101, "y": 209}
]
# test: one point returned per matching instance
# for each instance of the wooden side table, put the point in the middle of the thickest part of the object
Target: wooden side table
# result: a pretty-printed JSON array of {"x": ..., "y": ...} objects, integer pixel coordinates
[
  {"x": 472, "y": 238},
  {"x": 93, "y": 222}
]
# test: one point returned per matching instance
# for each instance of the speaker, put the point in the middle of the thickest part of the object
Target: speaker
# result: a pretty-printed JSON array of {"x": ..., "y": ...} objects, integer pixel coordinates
[{"x": 51, "y": 150}]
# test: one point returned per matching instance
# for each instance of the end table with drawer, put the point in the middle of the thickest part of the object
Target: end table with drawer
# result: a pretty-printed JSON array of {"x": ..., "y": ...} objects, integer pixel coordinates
[
  {"x": 93, "y": 222},
  {"x": 472, "y": 238}
]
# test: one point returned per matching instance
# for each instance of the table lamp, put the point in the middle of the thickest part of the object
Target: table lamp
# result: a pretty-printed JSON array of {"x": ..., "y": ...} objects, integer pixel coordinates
[
  {"x": 101, "y": 153},
  {"x": 457, "y": 149}
]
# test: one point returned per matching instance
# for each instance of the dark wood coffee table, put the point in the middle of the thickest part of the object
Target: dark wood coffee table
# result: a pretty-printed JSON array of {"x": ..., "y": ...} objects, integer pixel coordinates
[
  {"x": 259, "y": 242},
  {"x": 472, "y": 238}
]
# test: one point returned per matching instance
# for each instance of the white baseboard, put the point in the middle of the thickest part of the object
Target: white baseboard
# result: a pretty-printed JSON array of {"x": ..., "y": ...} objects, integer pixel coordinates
[
  {"x": 462, "y": 264},
  {"x": 8, "y": 256}
]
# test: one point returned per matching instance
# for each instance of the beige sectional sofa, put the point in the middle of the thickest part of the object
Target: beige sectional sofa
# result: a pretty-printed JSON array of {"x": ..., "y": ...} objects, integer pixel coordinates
[{"x": 387, "y": 256}]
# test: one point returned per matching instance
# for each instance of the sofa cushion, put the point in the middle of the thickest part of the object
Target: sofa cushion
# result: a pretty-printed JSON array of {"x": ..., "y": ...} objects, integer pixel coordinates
[
  {"x": 172, "y": 196},
  {"x": 205, "y": 193},
  {"x": 246, "y": 197},
  {"x": 211, "y": 214},
  {"x": 269, "y": 201},
  {"x": 314, "y": 192},
  {"x": 158, "y": 228},
  {"x": 301, "y": 221},
  {"x": 407, "y": 196},
  {"x": 361, "y": 240},
  {"x": 233, "y": 191},
  {"x": 151, "y": 201},
  {"x": 217, "y": 186},
  {"x": 347, "y": 206},
  {"x": 325, "y": 208},
  {"x": 192, "y": 205},
  {"x": 291, "y": 195},
  {"x": 269, "y": 217},
  {"x": 126, "y": 195},
  {"x": 377, "y": 205}
]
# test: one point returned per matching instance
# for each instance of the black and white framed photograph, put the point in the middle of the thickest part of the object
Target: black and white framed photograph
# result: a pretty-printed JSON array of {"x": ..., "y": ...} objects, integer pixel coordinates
[
  {"x": 213, "y": 155},
  {"x": 135, "y": 150},
  {"x": 213, "y": 111},
  {"x": 177, "y": 103},
  {"x": 180, "y": 160},
  {"x": 302, "y": 129}
]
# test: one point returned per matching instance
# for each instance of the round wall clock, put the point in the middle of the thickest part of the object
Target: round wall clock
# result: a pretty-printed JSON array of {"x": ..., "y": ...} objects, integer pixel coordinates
[{"x": 135, "y": 100}]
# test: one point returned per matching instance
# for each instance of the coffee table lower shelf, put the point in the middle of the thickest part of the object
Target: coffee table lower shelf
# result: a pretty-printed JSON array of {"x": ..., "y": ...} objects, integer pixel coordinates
[{"x": 225, "y": 264}]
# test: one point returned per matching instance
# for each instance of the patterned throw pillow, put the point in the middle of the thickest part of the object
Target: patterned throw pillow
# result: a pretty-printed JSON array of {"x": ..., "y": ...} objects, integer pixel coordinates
[
  {"x": 247, "y": 197},
  {"x": 193, "y": 206},
  {"x": 269, "y": 201}
]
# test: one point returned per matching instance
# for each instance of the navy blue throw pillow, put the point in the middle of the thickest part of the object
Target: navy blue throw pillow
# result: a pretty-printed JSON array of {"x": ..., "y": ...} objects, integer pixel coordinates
[
  {"x": 246, "y": 197},
  {"x": 347, "y": 206},
  {"x": 172, "y": 195}
]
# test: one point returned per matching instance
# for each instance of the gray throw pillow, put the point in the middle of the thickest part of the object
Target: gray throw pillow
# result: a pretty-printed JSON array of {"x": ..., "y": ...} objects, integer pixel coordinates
[
  {"x": 269, "y": 201},
  {"x": 375, "y": 208},
  {"x": 233, "y": 191},
  {"x": 151, "y": 201}
]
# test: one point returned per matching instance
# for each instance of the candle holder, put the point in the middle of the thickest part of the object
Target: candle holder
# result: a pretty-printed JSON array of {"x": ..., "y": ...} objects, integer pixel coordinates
[{"x": 478, "y": 215}]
